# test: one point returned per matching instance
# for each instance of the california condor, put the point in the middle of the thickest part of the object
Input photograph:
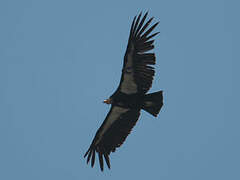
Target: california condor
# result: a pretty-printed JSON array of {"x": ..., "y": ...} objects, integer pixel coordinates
[{"x": 130, "y": 96}]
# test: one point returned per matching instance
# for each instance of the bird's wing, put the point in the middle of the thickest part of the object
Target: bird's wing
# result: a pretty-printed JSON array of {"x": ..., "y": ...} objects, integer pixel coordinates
[
  {"x": 112, "y": 133},
  {"x": 137, "y": 72}
]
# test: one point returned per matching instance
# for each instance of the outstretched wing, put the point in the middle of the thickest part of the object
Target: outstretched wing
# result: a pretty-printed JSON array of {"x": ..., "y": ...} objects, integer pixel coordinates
[
  {"x": 137, "y": 72},
  {"x": 112, "y": 133}
]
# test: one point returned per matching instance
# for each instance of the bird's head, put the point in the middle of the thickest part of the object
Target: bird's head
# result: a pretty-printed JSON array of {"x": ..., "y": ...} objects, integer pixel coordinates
[{"x": 108, "y": 101}]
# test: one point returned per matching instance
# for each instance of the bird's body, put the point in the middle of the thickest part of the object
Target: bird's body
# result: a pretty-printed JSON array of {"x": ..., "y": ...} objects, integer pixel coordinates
[
  {"x": 127, "y": 100},
  {"x": 130, "y": 96}
]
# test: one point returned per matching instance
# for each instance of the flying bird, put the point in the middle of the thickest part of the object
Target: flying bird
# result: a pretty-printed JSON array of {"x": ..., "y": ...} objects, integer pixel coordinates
[{"x": 130, "y": 96}]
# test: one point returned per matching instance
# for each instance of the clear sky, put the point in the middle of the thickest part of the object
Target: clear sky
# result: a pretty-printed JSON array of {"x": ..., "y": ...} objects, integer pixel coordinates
[{"x": 60, "y": 59}]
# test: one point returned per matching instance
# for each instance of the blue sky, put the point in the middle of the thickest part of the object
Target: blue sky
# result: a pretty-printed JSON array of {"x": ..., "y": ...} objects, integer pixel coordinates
[{"x": 60, "y": 59}]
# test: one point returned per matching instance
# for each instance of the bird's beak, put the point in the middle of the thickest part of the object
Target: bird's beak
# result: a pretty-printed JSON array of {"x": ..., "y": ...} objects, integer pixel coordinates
[{"x": 107, "y": 101}]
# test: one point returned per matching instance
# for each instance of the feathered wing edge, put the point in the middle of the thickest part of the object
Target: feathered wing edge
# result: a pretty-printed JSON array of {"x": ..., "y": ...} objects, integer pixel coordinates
[
  {"x": 91, "y": 155},
  {"x": 113, "y": 137},
  {"x": 138, "y": 44},
  {"x": 137, "y": 28}
]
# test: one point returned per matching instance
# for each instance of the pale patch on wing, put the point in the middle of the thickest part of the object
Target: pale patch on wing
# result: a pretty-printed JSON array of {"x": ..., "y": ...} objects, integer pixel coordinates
[
  {"x": 114, "y": 115},
  {"x": 128, "y": 85},
  {"x": 148, "y": 103}
]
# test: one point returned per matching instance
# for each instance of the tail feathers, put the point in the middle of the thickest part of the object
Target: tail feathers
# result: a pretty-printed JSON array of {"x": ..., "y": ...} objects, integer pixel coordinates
[{"x": 153, "y": 103}]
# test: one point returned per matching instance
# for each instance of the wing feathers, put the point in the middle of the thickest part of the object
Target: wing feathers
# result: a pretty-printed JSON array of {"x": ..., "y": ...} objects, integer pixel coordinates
[
  {"x": 150, "y": 30},
  {"x": 136, "y": 24},
  {"x": 93, "y": 158},
  {"x": 89, "y": 156},
  {"x": 136, "y": 57},
  {"x": 148, "y": 57},
  {"x": 144, "y": 27},
  {"x": 141, "y": 23},
  {"x": 149, "y": 37},
  {"x": 113, "y": 136},
  {"x": 87, "y": 152},
  {"x": 132, "y": 26},
  {"x": 107, "y": 160},
  {"x": 100, "y": 161}
]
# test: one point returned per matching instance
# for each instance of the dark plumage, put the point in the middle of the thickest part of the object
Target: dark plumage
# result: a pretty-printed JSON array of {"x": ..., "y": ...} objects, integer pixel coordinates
[{"x": 130, "y": 96}]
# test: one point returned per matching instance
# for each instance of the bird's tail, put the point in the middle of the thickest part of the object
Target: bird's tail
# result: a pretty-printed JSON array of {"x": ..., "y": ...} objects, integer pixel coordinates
[{"x": 153, "y": 103}]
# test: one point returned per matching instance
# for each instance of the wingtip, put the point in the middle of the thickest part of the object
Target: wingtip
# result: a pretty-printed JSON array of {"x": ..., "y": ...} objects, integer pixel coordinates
[
  {"x": 146, "y": 14},
  {"x": 93, "y": 158},
  {"x": 100, "y": 161},
  {"x": 140, "y": 14},
  {"x": 89, "y": 156},
  {"x": 107, "y": 161},
  {"x": 86, "y": 153}
]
